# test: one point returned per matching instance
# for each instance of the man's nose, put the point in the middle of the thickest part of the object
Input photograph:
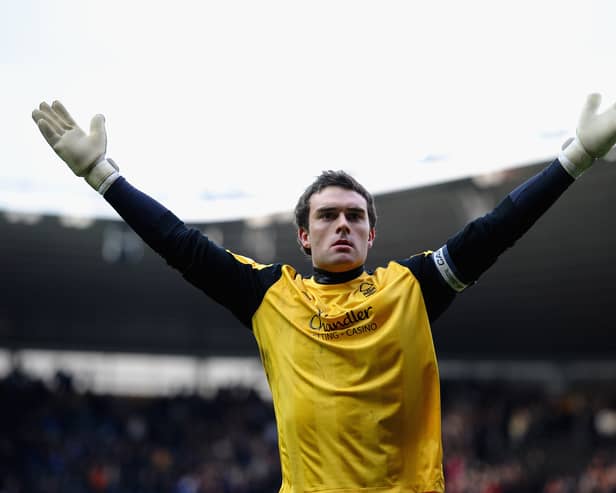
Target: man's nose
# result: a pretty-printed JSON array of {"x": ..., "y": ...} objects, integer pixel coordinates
[{"x": 342, "y": 224}]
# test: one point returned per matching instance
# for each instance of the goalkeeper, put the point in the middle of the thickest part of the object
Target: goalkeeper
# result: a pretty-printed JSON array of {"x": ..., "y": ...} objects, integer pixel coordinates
[{"x": 348, "y": 353}]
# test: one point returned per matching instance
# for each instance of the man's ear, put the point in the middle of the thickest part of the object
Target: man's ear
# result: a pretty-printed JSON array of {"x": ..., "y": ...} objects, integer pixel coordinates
[
  {"x": 371, "y": 237},
  {"x": 303, "y": 237}
]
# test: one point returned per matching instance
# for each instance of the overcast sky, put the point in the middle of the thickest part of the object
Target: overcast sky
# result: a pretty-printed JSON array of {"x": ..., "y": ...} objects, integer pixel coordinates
[{"x": 230, "y": 108}]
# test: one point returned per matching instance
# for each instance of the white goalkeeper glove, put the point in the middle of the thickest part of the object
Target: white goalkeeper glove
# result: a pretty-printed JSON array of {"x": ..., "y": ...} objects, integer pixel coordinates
[
  {"x": 595, "y": 136},
  {"x": 84, "y": 154}
]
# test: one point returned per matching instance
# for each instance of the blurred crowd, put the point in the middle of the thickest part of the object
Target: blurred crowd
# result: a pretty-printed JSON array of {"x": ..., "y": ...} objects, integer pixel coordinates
[
  {"x": 498, "y": 437},
  {"x": 504, "y": 437}
]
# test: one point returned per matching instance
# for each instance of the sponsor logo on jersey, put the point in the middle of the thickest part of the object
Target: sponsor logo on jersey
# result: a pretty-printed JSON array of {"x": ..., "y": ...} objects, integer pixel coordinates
[
  {"x": 351, "y": 323},
  {"x": 320, "y": 321}
]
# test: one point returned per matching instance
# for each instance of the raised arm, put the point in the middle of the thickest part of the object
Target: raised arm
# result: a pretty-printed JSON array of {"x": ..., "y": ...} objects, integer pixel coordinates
[
  {"x": 229, "y": 279},
  {"x": 473, "y": 250},
  {"x": 85, "y": 155}
]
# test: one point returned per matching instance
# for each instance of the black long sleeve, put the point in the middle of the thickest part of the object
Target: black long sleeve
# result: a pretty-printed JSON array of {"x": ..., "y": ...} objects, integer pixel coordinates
[
  {"x": 476, "y": 247},
  {"x": 471, "y": 251},
  {"x": 208, "y": 266}
]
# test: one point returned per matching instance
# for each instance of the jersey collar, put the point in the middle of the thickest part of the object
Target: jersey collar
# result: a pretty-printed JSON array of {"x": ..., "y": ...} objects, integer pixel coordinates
[{"x": 326, "y": 277}]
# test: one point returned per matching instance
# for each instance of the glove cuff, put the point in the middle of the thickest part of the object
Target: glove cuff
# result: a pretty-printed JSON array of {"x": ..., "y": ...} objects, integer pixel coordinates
[
  {"x": 102, "y": 175},
  {"x": 574, "y": 158}
]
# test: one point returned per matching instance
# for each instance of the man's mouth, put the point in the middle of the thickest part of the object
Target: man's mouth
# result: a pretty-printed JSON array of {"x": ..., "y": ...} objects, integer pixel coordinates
[{"x": 343, "y": 243}]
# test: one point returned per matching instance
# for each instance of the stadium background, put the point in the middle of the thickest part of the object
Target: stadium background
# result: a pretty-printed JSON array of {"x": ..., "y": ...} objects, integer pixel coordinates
[
  {"x": 547, "y": 298},
  {"x": 152, "y": 387},
  {"x": 116, "y": 376}
]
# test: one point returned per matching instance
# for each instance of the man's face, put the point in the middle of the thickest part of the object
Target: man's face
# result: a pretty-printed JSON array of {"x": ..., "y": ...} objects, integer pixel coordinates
[{"x": 339, "y": 232}]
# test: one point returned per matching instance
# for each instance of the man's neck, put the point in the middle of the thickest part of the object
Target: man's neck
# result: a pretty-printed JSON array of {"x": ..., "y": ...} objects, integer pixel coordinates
[{"x": 326, "y": 277}]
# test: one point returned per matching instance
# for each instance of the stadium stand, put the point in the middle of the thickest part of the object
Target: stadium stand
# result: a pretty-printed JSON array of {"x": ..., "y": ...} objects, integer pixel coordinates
[{"x": 499, "y": 437}]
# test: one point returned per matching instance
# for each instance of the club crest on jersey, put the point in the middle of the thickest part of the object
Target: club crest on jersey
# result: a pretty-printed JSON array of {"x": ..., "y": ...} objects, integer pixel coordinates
[{"x": 367, "y": 288}]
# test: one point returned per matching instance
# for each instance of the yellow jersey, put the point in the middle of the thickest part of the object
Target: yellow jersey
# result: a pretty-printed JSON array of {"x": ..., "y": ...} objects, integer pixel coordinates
[{"x": 354, "y": 380}]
